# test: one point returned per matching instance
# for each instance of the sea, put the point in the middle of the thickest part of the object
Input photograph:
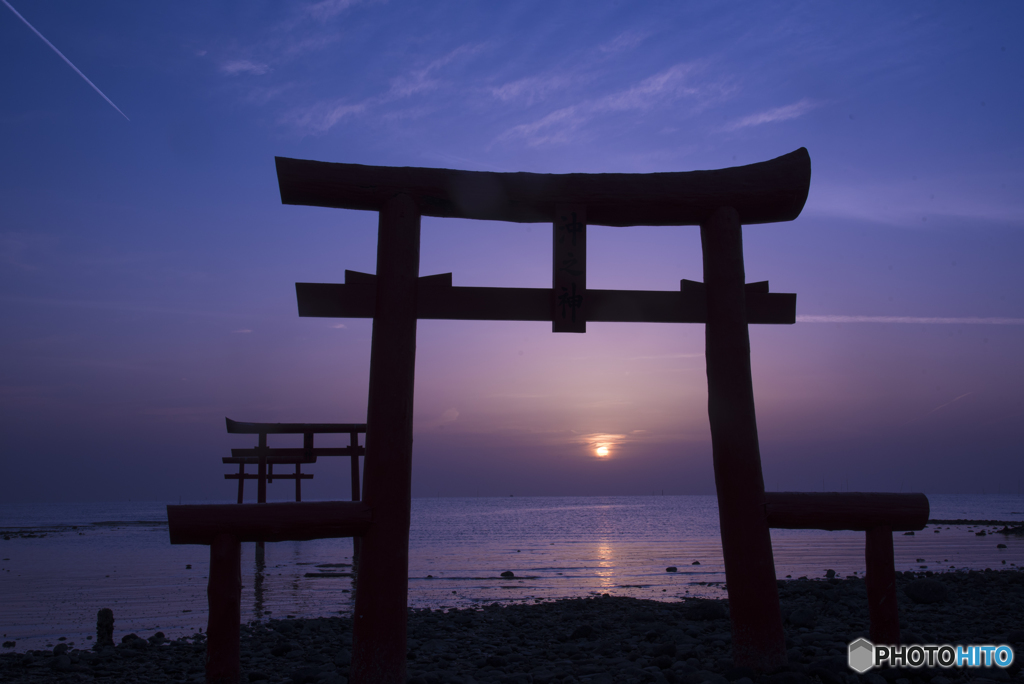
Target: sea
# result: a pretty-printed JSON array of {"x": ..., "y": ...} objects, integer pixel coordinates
[{"x": 61, "y": 563}]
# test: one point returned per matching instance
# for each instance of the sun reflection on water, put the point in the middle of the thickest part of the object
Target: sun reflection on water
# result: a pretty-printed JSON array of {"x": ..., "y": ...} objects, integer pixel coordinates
[{"x": 605, "y": 571}]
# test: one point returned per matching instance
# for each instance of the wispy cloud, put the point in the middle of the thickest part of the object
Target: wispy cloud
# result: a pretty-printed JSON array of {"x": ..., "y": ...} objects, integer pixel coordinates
[
  {"x": 114, "y": 306},
  {"x": 532, "y": 89},
  {"x": 667, "y": 87},
  {"x": 672, "y": 84},
  {"x": 242, "y": 331},
  {"x": 556, "y": 127},
  {"x": 624, "y": 42},
  {"x": 244, "y": 66},
  {"x": 922, "y": 203},
  {"x": 181, "y": 413},
  {"x": 308, "y": 27},
  {"x": 321, "y": 117},
  {"x": 328, "y": 9},
  {"x": 263, "y": 95},
  {"x": 422, "y": 80},
  {"x": 910, "y": 319},
  {"x": 19, "y": 249},
  {"x": 295, "y": 47},
  {"x": 791, "y": 111}
]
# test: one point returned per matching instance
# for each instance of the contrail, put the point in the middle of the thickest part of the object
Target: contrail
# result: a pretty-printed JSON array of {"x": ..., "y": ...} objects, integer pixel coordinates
[
  {"x": 909, "y": 319},
  {"x": 950, "y": 402},
  {"x": 53, "y": 47}
]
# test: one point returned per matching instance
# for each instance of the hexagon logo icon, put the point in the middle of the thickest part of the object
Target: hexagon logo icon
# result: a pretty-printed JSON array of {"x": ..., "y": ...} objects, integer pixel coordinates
[{"x": 861, "y": 656}]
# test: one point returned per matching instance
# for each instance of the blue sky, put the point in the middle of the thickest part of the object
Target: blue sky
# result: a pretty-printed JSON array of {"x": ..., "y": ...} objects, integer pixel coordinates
[{"x": 147, "y": 265}]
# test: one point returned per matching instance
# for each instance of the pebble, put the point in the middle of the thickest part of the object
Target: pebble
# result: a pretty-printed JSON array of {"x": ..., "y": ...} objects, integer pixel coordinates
[{"x": 600, "y": 640}]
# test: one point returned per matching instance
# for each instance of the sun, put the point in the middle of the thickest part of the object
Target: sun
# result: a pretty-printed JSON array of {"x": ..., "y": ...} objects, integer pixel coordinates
[{"x": 602, "y": 445}]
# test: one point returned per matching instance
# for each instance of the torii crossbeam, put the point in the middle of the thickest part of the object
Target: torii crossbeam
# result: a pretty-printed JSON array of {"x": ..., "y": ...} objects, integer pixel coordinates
[{"x": 719, "y": 201}]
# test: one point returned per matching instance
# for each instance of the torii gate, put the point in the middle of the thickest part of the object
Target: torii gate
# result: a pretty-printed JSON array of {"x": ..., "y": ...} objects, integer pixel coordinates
[{"x": 719, "y": 201}]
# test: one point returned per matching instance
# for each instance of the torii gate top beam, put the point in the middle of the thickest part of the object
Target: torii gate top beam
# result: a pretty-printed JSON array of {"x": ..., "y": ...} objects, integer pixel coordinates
[{"x": 766, "y": 192}]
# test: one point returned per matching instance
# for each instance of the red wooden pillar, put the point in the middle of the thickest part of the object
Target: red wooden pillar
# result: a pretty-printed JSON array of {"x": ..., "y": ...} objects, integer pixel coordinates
[
  {"x": 307, "y": 446},
  {"x": 379, "y": 619},
  {"x": 881, "y": 585},
  {"x": 569, "y": 267},
  {"x": 357, "y": 542},
  {"x": 354, "y": 444},
  {"x": 757, "y": 636},
  {"x": 261, "y": 487},
  {"x": 241, "y": 481},
  {"x": 224, "y": 594}
]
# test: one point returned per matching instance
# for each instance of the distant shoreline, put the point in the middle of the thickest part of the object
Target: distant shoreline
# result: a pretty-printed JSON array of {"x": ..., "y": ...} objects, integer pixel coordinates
[{"x": 66, "y": 527}]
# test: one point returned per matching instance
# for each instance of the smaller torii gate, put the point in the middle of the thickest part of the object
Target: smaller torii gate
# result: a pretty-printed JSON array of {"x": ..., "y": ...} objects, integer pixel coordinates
[
  {"x": 265, "y": 458},
  {"x": 718, "y": 201}
]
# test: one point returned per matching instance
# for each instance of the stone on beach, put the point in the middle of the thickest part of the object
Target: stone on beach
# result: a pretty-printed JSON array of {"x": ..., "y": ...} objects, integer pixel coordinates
[
  {"x": 575, "y": 641},
  {"x": 926, "y": 590}
]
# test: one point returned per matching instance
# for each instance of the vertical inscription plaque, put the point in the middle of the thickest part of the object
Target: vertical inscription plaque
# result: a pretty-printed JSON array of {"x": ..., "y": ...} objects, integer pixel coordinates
[{"x": 569, "y": 265}]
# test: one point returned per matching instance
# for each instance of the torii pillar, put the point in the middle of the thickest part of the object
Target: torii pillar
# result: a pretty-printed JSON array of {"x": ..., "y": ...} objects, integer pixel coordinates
[
  {"x": 757, "y": 636},
  {"x": 379, "y": 617}
]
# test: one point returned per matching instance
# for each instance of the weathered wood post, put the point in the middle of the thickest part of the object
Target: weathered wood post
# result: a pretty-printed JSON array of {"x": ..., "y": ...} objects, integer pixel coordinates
[
  {"x": 241, "y": 482},
  {"x": 379, "y": 619},
  {"x": 307, "y": 447},
  {"x": 261, "y": 488},
  {"x": 569, "y": 269},
  {"x": 757, "y": 637},
  {"x": 354, "y": 445},
  {"x": 261, "y": 482},
  {"x": 357, "y": 542},
  {"x": 224, "y": 594},
  {"x": 881, "y": 585}
]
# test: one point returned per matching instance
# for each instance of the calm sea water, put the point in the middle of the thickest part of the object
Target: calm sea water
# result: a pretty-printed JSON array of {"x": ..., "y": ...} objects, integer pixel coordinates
[{"x": 118, "y": 556}]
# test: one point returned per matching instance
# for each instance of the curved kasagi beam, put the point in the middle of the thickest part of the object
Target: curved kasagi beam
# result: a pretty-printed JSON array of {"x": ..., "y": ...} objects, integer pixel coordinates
[{"x": 766, "y": 192}]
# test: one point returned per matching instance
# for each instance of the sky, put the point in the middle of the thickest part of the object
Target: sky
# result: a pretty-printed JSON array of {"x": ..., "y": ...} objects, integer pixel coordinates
[{"x": 147, "y": 265}]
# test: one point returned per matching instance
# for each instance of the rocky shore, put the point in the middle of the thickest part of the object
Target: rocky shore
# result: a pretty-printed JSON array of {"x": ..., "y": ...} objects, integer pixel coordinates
[{"x": 598, "y": 640}]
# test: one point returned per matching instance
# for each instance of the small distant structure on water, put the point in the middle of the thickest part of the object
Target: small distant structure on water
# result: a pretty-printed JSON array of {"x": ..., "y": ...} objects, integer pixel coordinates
[{"x": 265, "y": 457}]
